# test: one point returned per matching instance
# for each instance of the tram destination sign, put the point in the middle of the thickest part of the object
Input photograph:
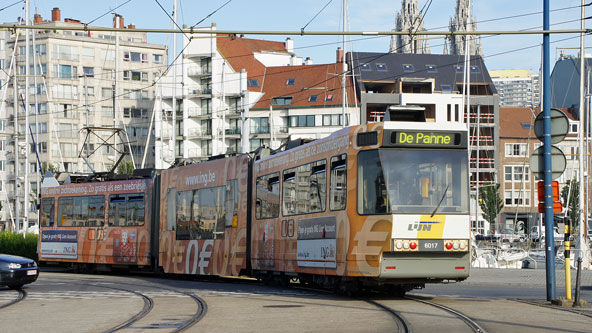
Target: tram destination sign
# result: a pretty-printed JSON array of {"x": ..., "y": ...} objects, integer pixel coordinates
[{"x": 436, "y": 139}]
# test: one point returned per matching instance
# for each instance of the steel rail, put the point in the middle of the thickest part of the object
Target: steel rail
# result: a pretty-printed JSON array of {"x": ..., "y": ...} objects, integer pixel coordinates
[
  {"x": 402, "y": 324},
  {"x": 470, "y": 322},
  {"x": 21, "y": 296}
]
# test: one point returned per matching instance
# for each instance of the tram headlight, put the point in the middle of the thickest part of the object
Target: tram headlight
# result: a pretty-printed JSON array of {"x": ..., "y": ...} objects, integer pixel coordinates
[{"x": 398, "y": 245}]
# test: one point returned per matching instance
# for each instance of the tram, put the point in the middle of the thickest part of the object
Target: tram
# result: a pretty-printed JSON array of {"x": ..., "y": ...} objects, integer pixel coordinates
[{"x": 381, "y": 205}]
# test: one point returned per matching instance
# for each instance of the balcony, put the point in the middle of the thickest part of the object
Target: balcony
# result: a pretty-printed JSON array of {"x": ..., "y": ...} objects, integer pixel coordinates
[
  {"x": 260, "y": 130},
  {"x": 196, "y": 154},
  {"x": 199, "y": 92},
  {"x": 198, "y": 71},
  {"x": 232, "y": 132},
  {"x": 233, "y": 113},
  {"x": 199, "y": 113},
  {"x": 197, "y": 133}
]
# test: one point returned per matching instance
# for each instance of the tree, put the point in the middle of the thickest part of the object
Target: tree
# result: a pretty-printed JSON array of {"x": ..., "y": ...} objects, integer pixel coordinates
[
  {"x": 53, "y": 168},
  {"x": 574, "y": 198},
  {"x": 491, "y": 204},
  {"x": 125, "y": 168}
]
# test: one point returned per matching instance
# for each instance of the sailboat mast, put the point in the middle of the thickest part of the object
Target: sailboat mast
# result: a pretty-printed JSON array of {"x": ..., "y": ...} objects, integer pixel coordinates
[
  {"x": 583, "y": 185},
  {"x": 174, "y": 120}
]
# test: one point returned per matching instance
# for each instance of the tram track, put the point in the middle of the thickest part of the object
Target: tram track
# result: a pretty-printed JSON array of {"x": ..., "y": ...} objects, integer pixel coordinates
[
  {"x": 21, "y": 296},
  {"x": 403, "y": 325},
  {"x": 149, "y": 304},
  {"x": 475, "y": 327}
]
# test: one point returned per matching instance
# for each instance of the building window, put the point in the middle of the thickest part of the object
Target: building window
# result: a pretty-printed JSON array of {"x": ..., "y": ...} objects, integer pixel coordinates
[
  {"x": 458, "y": 68},
  {"x": 135, "y": 76},
  {"x": 446, "y": 87},
  {"x": 408, "y": 68},
  {"x": 135, "y": 57},
  {"x": 89, "y": 71},
  {"x": 158, "y": 58},
  {"x": 290, "y": 82},
  {"x": 334, "y": 120},
  {"x": 516, "y": 149},
  {"x": 573, "y": 128},
  {"x": 381, "y": 67},
  {"x": 65, "y": 71},
  {"x": 366, "y": 67},
  {"x": 431, "y": 68},
  {"x": 259, "y": 125},
  {"x": 517, "y": 198},
  {"x": 253, "y": 83},
  {"x": 329, "y": 97},
  {"x": 516, "y": 173},
  {"x": 313, "y": 98},
  {"x": 282, "y": 101},
  {"x": 475, "y": 69},
  {"x": 302, "y": 121}
]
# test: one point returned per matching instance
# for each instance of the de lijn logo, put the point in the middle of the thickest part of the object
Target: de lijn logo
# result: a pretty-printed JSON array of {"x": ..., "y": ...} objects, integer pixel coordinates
[{"x": 422, "y": 225}]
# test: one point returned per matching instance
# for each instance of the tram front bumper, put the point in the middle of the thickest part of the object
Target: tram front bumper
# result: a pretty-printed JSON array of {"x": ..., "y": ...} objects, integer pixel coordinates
[{"x": 414, "y": 265}]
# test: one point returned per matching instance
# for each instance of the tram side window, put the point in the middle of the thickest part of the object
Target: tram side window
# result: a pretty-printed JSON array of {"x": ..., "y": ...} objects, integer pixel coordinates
[
  {"x": 65, "y": 211},
  {"x": 267, "y": 203},
  {"x": 201, "y": 213},
  {"x": 126, "y": 209},
  {"x": 231, "y": 204},
  {"x": 305, "y": 188},
  {"x": 338, "y": 187},
  {"x": 88, "y": 211},
  {"x": 47, "y": 209}
]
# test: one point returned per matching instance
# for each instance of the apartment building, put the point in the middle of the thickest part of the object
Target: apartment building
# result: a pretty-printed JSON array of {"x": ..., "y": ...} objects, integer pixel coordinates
[
  {"x": 517, "y": 87},
  {"x": 238, "y": 94},
  {"x": 518, "y": 185},
  {"x": 77, "y": 79}
]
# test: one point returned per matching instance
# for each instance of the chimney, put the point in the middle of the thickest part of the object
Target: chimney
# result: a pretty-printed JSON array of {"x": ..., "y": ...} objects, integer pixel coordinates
[
  {"x": 308, "y": 61},
  {"x": 289, "y": 45},
  {"x": 121, "y": 25},
  {"x": 56, "y": 15},
  {"x": 339, "y": 55},
  {"x": 37, "y": 18},
  {"x": 131, "y": 26}
]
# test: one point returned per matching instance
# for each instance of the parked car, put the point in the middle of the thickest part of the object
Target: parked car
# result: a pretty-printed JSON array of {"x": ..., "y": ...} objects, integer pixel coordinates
[{"x": 17, "y": 271}]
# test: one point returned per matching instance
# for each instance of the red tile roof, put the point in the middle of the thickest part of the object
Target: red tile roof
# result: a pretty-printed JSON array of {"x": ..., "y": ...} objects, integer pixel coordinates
[
  {"x": 320, "y": 80},
  {"x": 512, "y": 119},
  {"x": 239, "y": 52}
]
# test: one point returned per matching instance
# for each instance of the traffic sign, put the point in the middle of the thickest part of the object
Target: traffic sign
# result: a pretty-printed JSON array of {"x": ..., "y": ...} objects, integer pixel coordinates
[
  {"x": 559, "y": 126},
  {"x": 537, "y": 163},
  {"x": 541, "y": 190}
]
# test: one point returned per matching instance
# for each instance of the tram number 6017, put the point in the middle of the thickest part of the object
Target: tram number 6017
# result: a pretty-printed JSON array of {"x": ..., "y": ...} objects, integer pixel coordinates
[{"x": 432, "y": 245}]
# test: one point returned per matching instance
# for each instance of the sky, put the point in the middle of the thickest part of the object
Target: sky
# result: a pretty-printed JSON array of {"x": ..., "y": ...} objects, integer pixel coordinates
[{"x": 501, "y": 52}]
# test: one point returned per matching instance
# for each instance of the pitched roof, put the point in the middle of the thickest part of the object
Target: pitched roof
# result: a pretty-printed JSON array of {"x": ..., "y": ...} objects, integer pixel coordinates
[
  {"x": 445, "y": 69},
  {"x": 239, "y": 53},
  {"x": 518, "y": 122},
  {"x": 302, "y": 82}
]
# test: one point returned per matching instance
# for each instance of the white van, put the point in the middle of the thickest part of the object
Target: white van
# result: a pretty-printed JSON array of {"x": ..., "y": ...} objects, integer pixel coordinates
[{"x": 535, "y": 236}]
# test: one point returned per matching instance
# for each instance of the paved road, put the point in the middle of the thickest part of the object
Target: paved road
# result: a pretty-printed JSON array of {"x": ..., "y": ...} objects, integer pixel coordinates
[{"x": 61, "y": 302}]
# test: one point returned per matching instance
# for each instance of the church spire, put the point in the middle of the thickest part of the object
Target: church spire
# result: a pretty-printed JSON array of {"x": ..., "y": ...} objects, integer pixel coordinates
[
  {"x": 410, "y": 20},
  {"x": 463, "y": 21}
]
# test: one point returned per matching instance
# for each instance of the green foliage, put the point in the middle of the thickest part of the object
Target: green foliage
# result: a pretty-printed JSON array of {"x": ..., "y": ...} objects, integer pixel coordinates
[
  {"x": 491, "y": 202},
  {"x": 125, "y": 168},
  {"x": 53, "y": 168},
  {"x": 574, "y": 198},
  {"x": 16, "y": 244}
]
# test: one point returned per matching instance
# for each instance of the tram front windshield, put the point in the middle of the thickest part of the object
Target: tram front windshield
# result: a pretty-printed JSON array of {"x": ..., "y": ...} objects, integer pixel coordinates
[{"x": 419, "y": 181}]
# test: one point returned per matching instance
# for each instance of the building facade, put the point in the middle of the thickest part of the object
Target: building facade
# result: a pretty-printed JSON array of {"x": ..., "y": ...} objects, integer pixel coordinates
[
  {"x": 81, "y": 80},
  {"x": 517, "y": 87},
  {"x": 239, "y": 94}
]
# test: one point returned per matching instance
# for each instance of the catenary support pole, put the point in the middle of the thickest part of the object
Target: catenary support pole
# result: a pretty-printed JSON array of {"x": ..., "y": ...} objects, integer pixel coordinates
[{"x": 549, "y": 241}]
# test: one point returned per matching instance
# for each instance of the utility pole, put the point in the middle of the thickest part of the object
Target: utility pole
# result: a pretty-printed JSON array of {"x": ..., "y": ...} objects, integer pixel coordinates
[
  {"x": 27, "y": 127},
  {"x": 549, "y": 241}
]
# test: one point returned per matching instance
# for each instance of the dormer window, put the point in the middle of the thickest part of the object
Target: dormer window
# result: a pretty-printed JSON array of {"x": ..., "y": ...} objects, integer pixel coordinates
[
  {"x": 408, "y": 68},
  {"x": 365, "y": 67},
  {"x": 253, "y": 83},
  {"x": 381, "y": 67},
  {"x": 431, "y": 68},
  {"x": 282, "y": 101},
  {"x": 475, "y": 69},
  {"x": 459, "y": 68}
]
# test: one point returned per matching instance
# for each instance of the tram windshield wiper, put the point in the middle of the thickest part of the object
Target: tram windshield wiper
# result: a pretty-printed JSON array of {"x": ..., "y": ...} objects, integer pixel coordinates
[{"x": 439, "y": 203}]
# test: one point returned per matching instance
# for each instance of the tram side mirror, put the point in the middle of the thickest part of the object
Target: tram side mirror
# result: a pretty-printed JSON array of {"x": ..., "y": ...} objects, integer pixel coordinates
[{"x": 425, "y": 187}]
